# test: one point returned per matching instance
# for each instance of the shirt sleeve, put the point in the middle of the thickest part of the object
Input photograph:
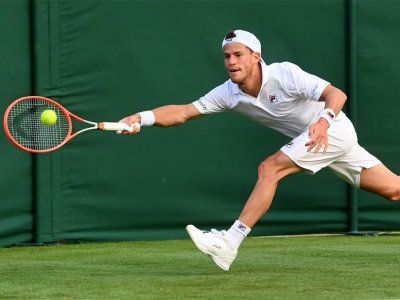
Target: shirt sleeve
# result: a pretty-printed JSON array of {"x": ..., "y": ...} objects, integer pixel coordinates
[
  {"x": 299, "y": 82},
  {"x": 214, "y": 101}
]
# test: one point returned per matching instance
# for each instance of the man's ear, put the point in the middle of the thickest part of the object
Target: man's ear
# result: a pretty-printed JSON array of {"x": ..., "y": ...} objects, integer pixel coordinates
[{"x": 257, "y": 56}]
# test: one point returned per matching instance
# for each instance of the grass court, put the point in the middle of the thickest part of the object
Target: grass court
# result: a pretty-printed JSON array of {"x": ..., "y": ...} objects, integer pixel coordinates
[{"x": 308, "y": 267}]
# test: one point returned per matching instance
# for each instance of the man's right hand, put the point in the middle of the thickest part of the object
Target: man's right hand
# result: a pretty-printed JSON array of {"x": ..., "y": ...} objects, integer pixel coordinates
[{"x": 131, "y": 120}]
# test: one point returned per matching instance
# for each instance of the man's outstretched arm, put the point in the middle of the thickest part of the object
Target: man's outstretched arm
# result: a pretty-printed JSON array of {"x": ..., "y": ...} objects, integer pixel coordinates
[{"x": 166, "y": 116}]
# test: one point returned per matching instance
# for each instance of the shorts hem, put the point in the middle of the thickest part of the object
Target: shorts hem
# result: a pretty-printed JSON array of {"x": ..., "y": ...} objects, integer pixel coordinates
[{"x": 306, "y": 169}]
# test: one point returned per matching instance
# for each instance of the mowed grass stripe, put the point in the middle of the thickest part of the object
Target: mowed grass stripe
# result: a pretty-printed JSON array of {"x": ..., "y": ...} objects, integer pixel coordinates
[{"x": 335, "y": 267}]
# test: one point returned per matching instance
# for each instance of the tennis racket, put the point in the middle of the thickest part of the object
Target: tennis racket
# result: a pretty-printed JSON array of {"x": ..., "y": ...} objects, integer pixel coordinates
[{"x": 24, "y": 128}]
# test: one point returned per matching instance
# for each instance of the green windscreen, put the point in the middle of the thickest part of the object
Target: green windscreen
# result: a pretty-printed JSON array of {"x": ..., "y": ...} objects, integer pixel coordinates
[
  {"x": 16, "y": 219},
  {"x": 104, "y": 60},
  {"x": 107, "y": 60}
]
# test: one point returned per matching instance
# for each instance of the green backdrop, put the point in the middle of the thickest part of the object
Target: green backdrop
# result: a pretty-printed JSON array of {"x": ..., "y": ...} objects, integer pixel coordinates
[
  {"x": 16, "y": 219},
  {"x": 378, "y": 105},
  {"x": 104, "y": 60}
]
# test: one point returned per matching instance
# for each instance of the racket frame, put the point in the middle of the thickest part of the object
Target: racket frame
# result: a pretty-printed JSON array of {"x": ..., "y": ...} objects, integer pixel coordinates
[{"x": 68, "y": 115}]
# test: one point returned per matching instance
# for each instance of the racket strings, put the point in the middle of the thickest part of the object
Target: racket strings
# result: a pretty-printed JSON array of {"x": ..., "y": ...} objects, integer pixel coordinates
[{"x": 26, "y": 128}]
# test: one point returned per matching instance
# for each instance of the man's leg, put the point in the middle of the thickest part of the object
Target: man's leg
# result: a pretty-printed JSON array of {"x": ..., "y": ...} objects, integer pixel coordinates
[
  {"x": 380, "y": 180},
  {"x": 222, "y": 246},
  {"x": 270, "y": 171}
]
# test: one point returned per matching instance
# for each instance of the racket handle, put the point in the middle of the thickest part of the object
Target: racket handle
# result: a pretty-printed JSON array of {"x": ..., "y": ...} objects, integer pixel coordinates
[{"x": 117, "y": 126}]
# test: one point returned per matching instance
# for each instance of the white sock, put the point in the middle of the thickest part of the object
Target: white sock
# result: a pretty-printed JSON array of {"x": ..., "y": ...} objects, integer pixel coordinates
[{"x": 237, "y": 233}]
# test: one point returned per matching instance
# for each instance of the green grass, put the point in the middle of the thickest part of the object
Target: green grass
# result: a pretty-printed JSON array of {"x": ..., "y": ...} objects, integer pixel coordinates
[{"x": 337, "y": 267}]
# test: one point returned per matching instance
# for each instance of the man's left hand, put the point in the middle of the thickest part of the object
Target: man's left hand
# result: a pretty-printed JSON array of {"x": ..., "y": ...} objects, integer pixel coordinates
[{"x": 318, "y": 133}]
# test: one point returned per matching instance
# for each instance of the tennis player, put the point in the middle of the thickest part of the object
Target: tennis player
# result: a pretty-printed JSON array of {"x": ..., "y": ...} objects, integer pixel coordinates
[{"x": 300, "y": 105}]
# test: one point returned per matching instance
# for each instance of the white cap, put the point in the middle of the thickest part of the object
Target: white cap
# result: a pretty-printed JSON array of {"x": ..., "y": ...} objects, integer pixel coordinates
[{"x": 244, "y": 37}]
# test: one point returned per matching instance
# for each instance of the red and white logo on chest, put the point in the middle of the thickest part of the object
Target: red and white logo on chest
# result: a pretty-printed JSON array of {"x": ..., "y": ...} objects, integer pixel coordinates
[{"x": 273, "y": 98}]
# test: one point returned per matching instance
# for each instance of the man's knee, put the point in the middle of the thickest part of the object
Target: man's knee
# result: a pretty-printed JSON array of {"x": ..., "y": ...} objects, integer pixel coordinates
[
  {"x": 380, "y": 180},
  {"x": 393, "y": 194},
  {"x": 271, "y": 169}
]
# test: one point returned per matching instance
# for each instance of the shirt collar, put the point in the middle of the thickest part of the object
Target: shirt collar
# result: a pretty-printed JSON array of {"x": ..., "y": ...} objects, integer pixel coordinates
[
  {"x": 265, "y": 72},
  {"x": 235, "y": 87},
  {"x": 265, "y": 76}
]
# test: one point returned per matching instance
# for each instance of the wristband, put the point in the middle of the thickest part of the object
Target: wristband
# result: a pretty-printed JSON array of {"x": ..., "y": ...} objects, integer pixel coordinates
[
  {"x": 329, "y": 115},
  {"x": 147, "y": 118}
]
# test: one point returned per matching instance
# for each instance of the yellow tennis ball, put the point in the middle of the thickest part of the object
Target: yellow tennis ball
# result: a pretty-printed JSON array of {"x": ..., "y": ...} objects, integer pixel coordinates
[{"x": 48, "y": 117}]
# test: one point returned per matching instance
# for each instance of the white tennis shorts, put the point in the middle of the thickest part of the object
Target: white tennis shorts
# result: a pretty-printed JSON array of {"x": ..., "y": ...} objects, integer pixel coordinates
[{"x": 344, "y": 155}]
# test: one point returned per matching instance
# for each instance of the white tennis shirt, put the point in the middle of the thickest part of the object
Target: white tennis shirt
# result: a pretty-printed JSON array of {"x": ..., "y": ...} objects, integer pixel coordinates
[{"x": 287, "y": 102}]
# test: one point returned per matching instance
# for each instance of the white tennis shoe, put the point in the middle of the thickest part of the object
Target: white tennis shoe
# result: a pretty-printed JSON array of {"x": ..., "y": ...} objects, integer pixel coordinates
[{"x": 214, "y": 244}]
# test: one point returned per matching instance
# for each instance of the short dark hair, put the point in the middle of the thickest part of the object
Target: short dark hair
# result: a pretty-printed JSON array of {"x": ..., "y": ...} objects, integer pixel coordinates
[{"x": 230, "y": 35}]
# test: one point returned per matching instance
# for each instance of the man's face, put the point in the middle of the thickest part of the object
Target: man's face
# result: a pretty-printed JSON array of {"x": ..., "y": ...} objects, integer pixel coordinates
[{"x": 240, "y": 61}]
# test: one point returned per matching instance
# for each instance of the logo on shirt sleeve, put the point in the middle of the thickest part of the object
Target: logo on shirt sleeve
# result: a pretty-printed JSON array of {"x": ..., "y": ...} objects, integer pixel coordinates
[
  {"x": 273, "y": 98},
  {"x": 203, "y": 106}
]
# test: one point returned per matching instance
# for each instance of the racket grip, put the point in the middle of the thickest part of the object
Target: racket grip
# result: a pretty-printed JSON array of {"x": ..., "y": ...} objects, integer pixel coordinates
[{"x": 110, "y": 126}]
